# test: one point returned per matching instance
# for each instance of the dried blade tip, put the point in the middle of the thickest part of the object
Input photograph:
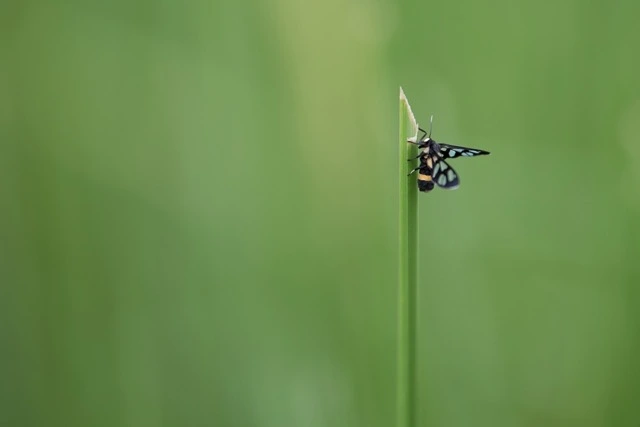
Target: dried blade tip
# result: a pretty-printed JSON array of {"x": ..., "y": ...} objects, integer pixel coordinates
[{"x": 412, "y": 118}]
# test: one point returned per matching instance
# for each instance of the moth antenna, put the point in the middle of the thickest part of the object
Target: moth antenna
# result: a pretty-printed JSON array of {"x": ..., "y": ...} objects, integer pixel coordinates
[{"x": 430, "y": 125}]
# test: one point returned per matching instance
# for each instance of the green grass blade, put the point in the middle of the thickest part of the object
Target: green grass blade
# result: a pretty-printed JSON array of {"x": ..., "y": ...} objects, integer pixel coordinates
[{"x": 408, "y": 274}]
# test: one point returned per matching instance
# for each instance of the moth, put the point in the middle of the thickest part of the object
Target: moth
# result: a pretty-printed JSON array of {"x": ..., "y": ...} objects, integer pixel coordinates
[{"x": 433, "y": 169}]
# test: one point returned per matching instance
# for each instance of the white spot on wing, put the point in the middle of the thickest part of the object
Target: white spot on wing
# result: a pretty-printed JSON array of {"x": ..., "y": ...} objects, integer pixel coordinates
[
  {"x": 451, "y": 175},
  {"x": 452, "y": 153},
  {"x": 442, "y": 180}
]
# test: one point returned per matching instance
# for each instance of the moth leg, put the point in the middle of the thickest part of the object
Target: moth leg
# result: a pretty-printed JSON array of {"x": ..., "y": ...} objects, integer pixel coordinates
[
  {"x": 413, "y": 158},
  {"x": 416, "y": 169}
]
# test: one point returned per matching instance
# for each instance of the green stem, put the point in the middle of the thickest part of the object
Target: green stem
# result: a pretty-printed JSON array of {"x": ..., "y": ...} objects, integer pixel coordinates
[{"x": 408, "y": 274}]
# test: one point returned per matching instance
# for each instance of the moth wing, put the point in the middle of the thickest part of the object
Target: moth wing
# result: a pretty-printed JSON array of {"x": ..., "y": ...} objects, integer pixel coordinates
[
  {"x": 452, "y": 151},
  {"x": 444, "y": 175}
]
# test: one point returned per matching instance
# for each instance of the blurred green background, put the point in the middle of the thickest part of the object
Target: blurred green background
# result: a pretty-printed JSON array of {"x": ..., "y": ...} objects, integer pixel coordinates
[{"x": 198, "y": 212}]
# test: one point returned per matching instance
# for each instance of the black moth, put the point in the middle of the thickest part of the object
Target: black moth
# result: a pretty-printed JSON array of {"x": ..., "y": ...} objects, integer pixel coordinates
[{"x": 433, "y": 169}]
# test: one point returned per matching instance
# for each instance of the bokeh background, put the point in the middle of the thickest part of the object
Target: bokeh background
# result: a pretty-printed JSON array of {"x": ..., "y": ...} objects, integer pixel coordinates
[{"x": 198, "y": 212}]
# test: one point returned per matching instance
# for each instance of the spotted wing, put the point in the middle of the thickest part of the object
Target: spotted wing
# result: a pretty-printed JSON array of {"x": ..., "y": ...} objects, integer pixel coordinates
[
  {"x": 453, "y": 151},
  {"x": 444, "y": 175}
]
